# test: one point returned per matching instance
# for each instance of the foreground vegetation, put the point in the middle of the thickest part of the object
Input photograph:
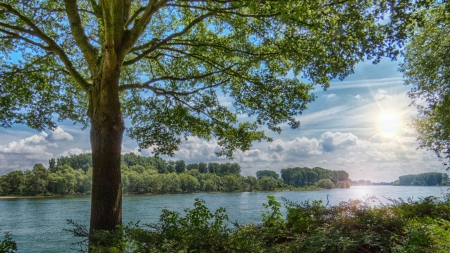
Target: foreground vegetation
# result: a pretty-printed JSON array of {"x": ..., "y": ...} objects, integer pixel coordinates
[
  {"x": 7, "y": 245},
  {"x": 351, "y": 226}
]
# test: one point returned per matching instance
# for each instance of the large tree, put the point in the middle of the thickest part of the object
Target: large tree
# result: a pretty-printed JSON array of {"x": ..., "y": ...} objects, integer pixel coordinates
[
  {"x": 427, "y": 70},
  {"x": 166, "y": 64}
]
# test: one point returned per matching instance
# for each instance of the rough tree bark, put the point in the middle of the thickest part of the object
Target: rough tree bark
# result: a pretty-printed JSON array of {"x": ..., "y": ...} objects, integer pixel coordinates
[{"x": 107, "y": 127}]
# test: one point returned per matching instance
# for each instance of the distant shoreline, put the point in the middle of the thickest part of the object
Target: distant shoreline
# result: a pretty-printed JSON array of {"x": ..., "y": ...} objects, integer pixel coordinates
[
  {"x": 41, "y": 197},
  {"x": 146, "y": 194}
]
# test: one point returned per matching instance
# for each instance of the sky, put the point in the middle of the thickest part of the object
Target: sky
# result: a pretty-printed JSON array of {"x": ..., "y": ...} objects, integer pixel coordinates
[{"x": 359, "y": 125}]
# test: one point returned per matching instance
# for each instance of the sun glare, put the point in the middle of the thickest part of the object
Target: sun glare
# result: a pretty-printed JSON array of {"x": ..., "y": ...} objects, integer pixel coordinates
[{"x": 389, "y": 123}]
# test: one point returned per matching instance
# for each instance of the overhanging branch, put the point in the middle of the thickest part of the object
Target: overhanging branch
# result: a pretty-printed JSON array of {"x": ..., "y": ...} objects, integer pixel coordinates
[
  {"x": 52, "y": 45},
  {"x": 160, "y": 91},
  {"x": 80, "y": 37},
  {"x": 168, "y": 38},
  {"x": 140, "y": 25},
  {"x": 19, "y": 37},
  {"x": 163, "y": 92}
]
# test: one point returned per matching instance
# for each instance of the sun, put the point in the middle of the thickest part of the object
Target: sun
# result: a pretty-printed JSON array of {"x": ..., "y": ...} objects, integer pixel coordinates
[{"x": 389, "y": 123}]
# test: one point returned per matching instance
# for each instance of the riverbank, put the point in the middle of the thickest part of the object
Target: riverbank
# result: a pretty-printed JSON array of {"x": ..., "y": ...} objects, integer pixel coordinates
[
  {"x": 286, "y": 189},
  {"x": 29, "y": 197},
  {"x": 39, "y": 196}
]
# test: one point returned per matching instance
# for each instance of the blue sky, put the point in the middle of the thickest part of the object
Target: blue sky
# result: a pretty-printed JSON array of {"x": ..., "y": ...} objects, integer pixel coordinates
[{"x": 341, "y": 130}]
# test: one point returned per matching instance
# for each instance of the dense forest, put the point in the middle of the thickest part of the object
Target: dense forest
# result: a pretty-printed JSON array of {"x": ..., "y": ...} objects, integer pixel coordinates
[
  {"x": 140, "y": 175},
  {"x": 300, "y": 177},
  {"x": 424, "y": 179}
]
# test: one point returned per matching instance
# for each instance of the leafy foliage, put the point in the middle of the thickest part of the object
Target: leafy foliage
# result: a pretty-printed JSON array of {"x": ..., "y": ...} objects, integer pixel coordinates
[
  {"x": 175, "y": 57},
  {"x": 424, "y": 179},
  {"x": 426, "y": 69},
  {"x": 351, "y": 226},
  {"x": 140, "y": 175},
  {"x": 267, "y": 173},
  {"x": 308, "y": 177},
  {"x": 7, "y": 245},
  {"x": 326, "y": 183}
]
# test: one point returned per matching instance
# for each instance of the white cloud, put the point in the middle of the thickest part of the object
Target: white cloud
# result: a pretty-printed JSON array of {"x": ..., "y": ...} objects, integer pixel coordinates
[
  {"x": 344, "y": 161},
  {"x": 333, "y": 150},
  {"x": 381, "y": 94},
  {"x": 60, "y": 134},
  {"x": 331, "y": 96},
  {"x": 198, "y": 150},
  {"x": 135, "y": 150},
  {"x": 74, "y": 151},
  {"x": 302, "y": 147},
  {"x": 31, "y": 145},
  {"x": 22, "y": 154},
  {"x": 330, "y": 141}
]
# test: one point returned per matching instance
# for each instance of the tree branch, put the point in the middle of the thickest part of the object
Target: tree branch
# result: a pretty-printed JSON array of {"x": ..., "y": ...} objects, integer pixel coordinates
[
  {"x": 18, "y": 28},
  {"x": 160, "y": 91},
  {"x": 51, "y": 45},
  {"x": 140, "y": 25},
  {"x": 188, "y": 43},
  {"x": 146, "y": 85},
  {"x": 29, "y": 68},
  {"x": 96, "y": 8},
  {"x": 17, "y": 36},
  {"x": 80, "y": 37},
  {"x": 206, "y": 113},
  {"x": 134, "y": 16},
  {"x": 172, "y": 36},
  {"x": 196, "y": 56},
  {"x": 226, "y": 11},
  {"x": 200, "y": 7}
]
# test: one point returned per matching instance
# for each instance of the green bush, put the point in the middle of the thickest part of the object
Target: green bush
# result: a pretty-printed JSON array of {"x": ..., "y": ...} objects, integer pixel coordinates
[
  {"x": 351, "y": 226},
  {"x": 8, "y": 245},
  {"x": 343, "y": 184},
  {"x": 325, "y": 183},
  {"x": 199, "y": 230}
]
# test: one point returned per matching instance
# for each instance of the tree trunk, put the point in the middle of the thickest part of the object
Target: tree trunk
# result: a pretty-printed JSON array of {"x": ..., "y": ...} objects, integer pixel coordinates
[{"x": 107, "y": 129}]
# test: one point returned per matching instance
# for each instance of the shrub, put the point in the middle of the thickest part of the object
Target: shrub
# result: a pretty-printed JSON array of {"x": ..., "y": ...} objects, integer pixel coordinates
[
  {"x": 343, "y": 184},
  {"x": 351, "y": 226},
  {"x": 8, "y": 245},
  {"x": 325, "y": 183},
  {"x": 199, "y": 230}
]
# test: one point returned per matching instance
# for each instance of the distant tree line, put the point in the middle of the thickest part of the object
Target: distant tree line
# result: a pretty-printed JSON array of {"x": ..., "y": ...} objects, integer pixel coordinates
[
  {"x": 140, "y": 175},
  {"x": 320, "y": 177},
  {"x": 360, "y": 182},
  {"x": 73, "y": 175},
  {"x": 424, "y": 179}
]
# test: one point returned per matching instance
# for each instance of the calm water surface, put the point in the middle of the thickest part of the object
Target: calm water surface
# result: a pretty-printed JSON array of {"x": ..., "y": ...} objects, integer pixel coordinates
[{"x": 37, "y": 224}]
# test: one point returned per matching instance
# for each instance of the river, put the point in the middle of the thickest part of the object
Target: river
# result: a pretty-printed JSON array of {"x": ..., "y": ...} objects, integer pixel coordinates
[{"x": 37, "y": 224}]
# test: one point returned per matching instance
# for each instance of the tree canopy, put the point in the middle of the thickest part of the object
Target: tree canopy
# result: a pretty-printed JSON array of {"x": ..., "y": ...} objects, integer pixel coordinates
[
  {"x": 426, "y": 69},
  {"x": 267, "y": 173},
  {"x": 424, "y": 179},
  {"x": 177, "y": 57}
]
